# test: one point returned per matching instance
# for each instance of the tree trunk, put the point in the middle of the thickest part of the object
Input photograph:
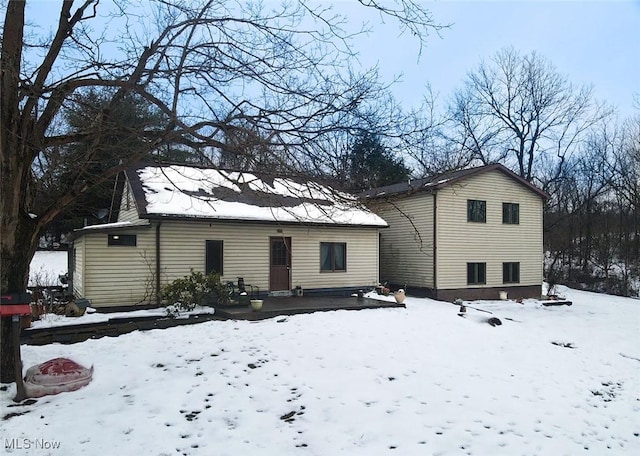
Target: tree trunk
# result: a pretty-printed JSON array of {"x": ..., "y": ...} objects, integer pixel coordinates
[
  {"x": 17, "y": 229},
  {"x": 16, "y": 254}
]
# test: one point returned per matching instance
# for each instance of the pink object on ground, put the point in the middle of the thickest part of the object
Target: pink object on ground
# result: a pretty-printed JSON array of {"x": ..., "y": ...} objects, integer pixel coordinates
[{"x": 55, "y": 376}]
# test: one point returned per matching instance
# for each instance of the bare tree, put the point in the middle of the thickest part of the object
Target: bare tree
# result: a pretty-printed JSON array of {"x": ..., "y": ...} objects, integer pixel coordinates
[
  {"x": 280, "y": 71},
  {"x": 627, "y": 199},
  {"x": 592, "y": 221},
  {"x": 428, "y": 146},
  {"x": 627, "y": 163},
  {"x": 520, "y": 111}
]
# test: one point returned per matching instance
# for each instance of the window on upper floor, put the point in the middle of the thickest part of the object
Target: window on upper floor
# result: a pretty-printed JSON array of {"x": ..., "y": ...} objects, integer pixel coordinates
[
  {"x": 333, "y": 256},
  {"x": 476, "y": 273},
  {"x": 510, "y": 272},
  {"x": 477, "y": 211},
  {"x": 510, "y": 213}
]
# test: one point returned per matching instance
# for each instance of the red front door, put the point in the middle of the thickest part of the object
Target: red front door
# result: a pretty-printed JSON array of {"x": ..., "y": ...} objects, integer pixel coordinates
[{"x": 280, "y": 264}]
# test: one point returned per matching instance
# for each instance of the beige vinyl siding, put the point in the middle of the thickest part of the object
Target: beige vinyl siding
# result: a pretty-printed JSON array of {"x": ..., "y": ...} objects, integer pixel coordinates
[
  {"x": 246, "y": 252},
  {"x": 460, "y": 242},
  {"x": 128, "y": 211},
  {"x": 406, "y": 247},
  {"x": 78, "y": 266},
  {"x": 124, "y": 275},
  {"x": 362, "y": 257},
  {"x": 119, "y": 275}
]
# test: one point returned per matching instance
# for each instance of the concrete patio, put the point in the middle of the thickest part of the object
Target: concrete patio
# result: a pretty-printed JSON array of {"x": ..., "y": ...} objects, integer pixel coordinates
[{"x": 272, "y": 307}]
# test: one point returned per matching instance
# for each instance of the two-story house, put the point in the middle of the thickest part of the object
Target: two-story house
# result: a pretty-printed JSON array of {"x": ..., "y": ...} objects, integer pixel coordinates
[{"x": 467, "y": 234}]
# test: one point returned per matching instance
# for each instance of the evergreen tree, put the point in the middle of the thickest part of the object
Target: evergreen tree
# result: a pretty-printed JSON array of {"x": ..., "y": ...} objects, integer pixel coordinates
[
  {"x": 118, "y": 139},
  {"x": 372, "y": 165}
]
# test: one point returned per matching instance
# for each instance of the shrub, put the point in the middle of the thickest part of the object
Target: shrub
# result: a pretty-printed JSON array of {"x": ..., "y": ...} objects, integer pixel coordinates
[{"x": 184, "y": 294}]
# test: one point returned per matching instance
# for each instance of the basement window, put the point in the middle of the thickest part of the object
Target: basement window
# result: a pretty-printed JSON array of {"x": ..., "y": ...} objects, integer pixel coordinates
[{"x": 129, "y": 240}]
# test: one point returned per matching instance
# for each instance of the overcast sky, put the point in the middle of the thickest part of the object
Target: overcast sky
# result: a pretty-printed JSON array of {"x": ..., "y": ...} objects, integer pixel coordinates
[{"x": 590, "y": 42}]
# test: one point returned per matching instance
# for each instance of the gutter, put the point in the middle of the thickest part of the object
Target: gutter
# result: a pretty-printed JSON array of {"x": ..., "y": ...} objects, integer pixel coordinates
[{"x": 182, "y": 218}]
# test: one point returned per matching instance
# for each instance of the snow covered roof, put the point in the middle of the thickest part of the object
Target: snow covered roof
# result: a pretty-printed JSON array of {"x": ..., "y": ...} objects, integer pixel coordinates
[
  {"x": 114, "y": 225},
  {"x": 442, "y": 180},
  {"x": 178, "y": 191}
]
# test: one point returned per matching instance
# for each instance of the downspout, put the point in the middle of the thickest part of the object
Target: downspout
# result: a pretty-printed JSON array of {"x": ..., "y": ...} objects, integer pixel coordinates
[
  {"x": 84, "y": 266},
  {"x": 435, "y": 248},
  {"x": 70, "y": 268},
  {"x": 158, "y": 293}
]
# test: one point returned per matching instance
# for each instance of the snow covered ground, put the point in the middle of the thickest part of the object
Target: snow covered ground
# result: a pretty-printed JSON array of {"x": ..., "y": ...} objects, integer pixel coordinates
[
  {"x": 46, "y": 266},
  {"x": 416, "y": 381}
]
